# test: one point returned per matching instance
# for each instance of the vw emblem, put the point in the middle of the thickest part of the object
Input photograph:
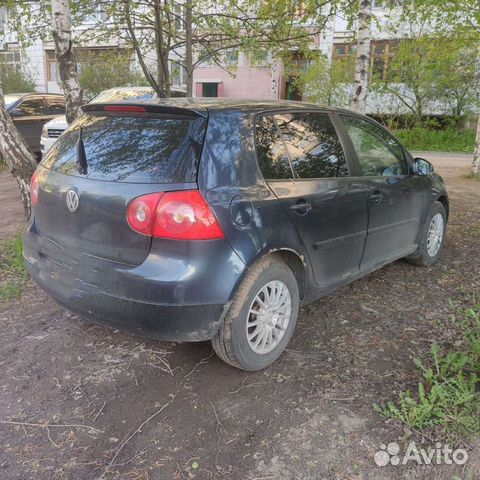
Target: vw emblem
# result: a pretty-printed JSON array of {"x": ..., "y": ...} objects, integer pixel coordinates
[{"x": 72, "y": 200}]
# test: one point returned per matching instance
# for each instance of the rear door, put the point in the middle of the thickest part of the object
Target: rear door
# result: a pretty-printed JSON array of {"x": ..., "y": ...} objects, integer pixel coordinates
[
  {"x": 303, "y": 160},
  {"x": 394, "y": 204},
  {"x": 118, "y": 157},
  {"x": 29, "y": 117}
]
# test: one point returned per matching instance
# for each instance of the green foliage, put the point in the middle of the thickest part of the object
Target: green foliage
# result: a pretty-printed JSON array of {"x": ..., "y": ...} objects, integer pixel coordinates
[
  {"x": 448, "y": 395},
  {"x": 14, "y": 80},
  {"x": 324, "y": 82},
  {"x": 106, "y": 70},
  {"x": 9, "y": 290},
  {"x": 426, "y": 139},
  {"x": 12, "y": 257},
  {"x": 11, "y": 269},
  {"x": 432, "y": 72}
]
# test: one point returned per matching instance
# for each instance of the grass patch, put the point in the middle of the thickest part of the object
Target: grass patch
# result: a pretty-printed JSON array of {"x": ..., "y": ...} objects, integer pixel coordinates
[
  {"x": 12, "y": 272},
  {"x": 11, "y": 256},
  {"x": 447, "y": 396},
  {"x": 446, "y": 140},
  {"x": 9, "y": 290}
]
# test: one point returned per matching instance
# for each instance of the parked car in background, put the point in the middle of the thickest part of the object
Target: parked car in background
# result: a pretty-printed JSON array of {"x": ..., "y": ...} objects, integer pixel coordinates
[
  {"x": 53, "y": 129},
  {"x": 192, "y": 220},
  {"x": 31, "y": 111}
]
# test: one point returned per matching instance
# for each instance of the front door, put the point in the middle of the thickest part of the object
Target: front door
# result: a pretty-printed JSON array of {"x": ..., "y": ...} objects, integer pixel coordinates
[
  {"x": 303, "y": 161},
  {"x": 394, "y": 205}
]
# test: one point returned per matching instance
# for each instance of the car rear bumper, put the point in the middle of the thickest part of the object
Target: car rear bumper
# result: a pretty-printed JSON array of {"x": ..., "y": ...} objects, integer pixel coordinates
[{"x": 178, "y": 293}]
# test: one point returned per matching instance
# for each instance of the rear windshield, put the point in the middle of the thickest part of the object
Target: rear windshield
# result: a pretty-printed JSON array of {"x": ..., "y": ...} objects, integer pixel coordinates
[{"x": 131, "y": 149}]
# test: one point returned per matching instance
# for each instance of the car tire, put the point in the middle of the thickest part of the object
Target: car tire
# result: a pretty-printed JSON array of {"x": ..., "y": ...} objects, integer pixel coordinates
[
  {"x": 235, "y": 341},
  {"x": 436, "y": 223}
]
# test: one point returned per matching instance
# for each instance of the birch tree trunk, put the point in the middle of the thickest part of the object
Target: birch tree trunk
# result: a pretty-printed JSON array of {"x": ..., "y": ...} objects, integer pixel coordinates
[
  {"x": 476, "y": 155},
  {"x": 188, "y": 47},
  {"x": 362, "y": 64},
  {"x": 14, "y": 151},
  {"x": 62, "y": 38}
]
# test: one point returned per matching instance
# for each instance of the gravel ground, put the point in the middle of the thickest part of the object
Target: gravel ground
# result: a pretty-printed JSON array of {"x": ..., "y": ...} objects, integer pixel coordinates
[{"x": 91, "y": 402}]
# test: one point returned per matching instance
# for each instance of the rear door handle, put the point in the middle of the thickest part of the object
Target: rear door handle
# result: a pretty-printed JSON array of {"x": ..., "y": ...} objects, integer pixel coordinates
[
  {"x": 376, "y": 197},
  {"x": 302, "y": 207}
]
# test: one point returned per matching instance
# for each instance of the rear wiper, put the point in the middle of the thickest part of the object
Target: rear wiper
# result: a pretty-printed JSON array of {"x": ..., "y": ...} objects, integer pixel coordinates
[{"x": 81, "y": 157}]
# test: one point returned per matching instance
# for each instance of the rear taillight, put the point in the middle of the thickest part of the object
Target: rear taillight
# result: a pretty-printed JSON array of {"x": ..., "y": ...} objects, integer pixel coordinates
[
  {"x": 183, "y": 215},
  {"x": 34, "y": 189}
]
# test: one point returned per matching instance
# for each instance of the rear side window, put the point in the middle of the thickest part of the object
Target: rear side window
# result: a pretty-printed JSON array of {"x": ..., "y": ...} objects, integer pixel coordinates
[
  {"x": 131, "y": 149},
  {"x": 300, "y": 145},
  {"x": 272, "y": 157},
  {"x": 56, "y": 106},
  {"x": 313, "y": 145}
]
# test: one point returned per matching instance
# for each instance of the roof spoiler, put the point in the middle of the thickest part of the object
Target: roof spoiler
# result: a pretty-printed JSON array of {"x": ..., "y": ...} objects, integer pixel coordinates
[{"x": 137, "y": 109}]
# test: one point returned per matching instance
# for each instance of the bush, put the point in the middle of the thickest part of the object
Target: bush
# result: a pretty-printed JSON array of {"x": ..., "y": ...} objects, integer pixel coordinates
[
  {"x": 15, "y": 80},
  {"x": 101, "y": 71},
  {"x": 449, "y": 139}
]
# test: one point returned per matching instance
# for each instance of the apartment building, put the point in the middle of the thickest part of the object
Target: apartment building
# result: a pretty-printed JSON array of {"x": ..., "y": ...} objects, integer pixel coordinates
[
  {"x": 39, "y": 60},
  {"x": 240, "y": 77}
]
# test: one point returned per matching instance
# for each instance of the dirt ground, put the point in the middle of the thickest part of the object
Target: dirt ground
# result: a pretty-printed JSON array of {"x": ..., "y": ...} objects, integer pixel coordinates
[{"x": 96, "y": 403}]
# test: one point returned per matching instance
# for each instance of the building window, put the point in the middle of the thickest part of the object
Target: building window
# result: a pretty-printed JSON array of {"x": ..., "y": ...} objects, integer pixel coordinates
[
  {"x": 10, "y": 57},
  {"x": 381, "y": 4},
  {"x": 83, "y": 55},
  {"x": 93, "y": 12},
  {"x": 260, "y": 59},
  {"x": 343, "y": 50},
  {"x": 3, "y": 18},
  {"x": 179, "y": 16},
  {"x": 53, "y": 73},
  {"x": 205, "y": 58},
  {"x": 209, "y": 89},
  {"x": 178, "y": 74},
  {"x": 381, "y": 53},
  {"x": 231, "y": 57}
]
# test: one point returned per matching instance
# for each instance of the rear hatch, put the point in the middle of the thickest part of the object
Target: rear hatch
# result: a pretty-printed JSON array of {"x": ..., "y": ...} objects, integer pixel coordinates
[{"x": 108, "y": 157}]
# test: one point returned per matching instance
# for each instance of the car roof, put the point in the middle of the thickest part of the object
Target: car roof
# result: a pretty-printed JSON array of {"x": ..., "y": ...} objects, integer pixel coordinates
[
  {"x": 32, "y": 94},
  {"x": 233, "y": 104}
]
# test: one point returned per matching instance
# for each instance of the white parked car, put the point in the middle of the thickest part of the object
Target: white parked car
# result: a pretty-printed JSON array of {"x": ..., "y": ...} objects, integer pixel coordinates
[{"x": 51, "y": 131}]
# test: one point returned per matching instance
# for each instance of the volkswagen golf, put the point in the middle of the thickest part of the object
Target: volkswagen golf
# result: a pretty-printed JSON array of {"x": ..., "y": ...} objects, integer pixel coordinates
[{"x": 196, "y": 220}]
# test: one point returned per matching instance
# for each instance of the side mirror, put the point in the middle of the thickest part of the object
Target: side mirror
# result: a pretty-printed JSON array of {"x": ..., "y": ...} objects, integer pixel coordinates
[{"x": 422, "y": 167}]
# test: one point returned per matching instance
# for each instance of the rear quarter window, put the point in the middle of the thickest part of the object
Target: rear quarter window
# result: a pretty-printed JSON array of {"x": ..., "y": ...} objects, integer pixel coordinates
[{"x": 131, "y": 149}]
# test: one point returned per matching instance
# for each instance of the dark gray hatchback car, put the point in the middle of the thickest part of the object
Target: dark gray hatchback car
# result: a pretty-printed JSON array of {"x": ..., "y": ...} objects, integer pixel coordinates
[{"x": 192, "y": 220}]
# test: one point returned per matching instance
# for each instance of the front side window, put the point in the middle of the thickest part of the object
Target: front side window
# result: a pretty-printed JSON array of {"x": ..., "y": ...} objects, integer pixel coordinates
[
  {"x": 29, "y": 108},
  {"x": 313, "y": 145},
  {"x": 379, "y": 155}
]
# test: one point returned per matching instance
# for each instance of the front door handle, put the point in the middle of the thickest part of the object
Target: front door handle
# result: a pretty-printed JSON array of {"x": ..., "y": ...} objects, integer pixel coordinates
[
  {"x": 376, "y": 197},
  {"x": 302, "y": 207}
]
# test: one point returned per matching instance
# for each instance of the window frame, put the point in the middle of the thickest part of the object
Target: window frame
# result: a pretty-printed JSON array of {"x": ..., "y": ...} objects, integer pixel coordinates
[
  {"x": 406, "y": 154},
  {"x": 339, "y": 131}
]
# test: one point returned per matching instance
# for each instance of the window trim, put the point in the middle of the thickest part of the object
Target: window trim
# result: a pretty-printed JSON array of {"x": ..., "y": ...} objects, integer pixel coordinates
[
  {"x": 340, "y": 134},
  {"x": 406, "y": 154}
]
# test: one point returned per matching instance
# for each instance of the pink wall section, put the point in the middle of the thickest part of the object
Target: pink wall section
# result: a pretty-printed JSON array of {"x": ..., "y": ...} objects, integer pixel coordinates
[{"x": 248, "y": 82}]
